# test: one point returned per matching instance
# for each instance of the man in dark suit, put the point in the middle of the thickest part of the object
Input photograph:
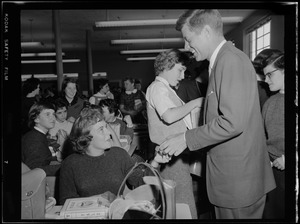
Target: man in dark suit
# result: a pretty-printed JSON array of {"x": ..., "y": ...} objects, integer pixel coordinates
[{"x": 238, "y": 169}]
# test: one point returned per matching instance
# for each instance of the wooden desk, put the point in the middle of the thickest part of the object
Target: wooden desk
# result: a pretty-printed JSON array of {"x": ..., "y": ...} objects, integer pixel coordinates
[{"x": 182, "y": 212}]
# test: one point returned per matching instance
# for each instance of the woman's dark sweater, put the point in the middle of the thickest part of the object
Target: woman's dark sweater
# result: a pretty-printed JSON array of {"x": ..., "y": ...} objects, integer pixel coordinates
[
  {"x": 36, "y": 154},
  {"x": 84, "y": 175}
]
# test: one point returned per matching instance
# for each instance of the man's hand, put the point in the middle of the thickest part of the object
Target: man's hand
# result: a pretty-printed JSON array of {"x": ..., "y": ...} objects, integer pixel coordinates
[{"x": 174, "y": 145}]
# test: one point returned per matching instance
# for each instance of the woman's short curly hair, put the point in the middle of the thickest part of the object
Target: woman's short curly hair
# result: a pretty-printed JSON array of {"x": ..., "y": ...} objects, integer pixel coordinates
[
  {"x": 80, "y": 135},
  {"x": 166, "y": 60}
]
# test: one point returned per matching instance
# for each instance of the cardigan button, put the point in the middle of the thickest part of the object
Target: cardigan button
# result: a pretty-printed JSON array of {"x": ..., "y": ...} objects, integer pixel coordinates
[{"x": 29, "y": 193}]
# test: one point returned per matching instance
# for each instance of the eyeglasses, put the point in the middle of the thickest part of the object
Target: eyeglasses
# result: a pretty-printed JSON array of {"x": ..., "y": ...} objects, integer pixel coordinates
[{"x": 269, "y": 74}]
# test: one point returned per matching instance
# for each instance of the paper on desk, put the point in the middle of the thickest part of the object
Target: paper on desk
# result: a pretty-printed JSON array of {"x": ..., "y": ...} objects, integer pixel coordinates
[{"x": 119, "y": 206}]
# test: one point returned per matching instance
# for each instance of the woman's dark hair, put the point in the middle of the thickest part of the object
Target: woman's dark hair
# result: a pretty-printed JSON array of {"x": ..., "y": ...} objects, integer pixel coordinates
[
  {"x": 101, "y": 83},
  {"x": 276, "y": 58},
  {"x": 30, "y": 85},
  {"x": 66, "y": 82},
  {"x": 60, "y": 103},
  {"x": 130, "y": 79},
  {"x": 36, "y": 109},
  {"x": 80, "y": 134},
  {"x": 111, "y": 104},
  {"x": 259, "y": 61}
]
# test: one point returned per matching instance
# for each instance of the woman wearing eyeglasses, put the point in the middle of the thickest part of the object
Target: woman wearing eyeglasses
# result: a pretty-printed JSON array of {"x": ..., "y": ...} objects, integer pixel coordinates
[{"x": 273, "y": 115}]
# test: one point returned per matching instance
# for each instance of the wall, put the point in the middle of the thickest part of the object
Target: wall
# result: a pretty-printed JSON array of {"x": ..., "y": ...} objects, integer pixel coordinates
[
  {"x": 142, "y": 70},
  {"x": 277, "y": 29}
]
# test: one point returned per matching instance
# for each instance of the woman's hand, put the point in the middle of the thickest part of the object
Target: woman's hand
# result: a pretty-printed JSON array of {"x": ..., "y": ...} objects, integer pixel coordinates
[
  {"x": 279, "y": 163},
  {"x": 128, "y": 120},
  {"x": 71, "y": 119},
  {"x": 61, "y": 136},
  {"x": 198, "y": 102},
  {"x": 115, "y": 139},
  {"x": 160, "y": 157}
]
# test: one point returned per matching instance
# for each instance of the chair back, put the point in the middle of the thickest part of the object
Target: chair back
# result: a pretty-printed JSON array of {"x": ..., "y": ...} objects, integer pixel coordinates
[{"x": 33, "y": 193}]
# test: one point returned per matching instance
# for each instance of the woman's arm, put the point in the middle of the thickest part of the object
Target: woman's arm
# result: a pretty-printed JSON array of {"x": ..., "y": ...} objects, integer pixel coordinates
[{"x": 177, "y": 113}]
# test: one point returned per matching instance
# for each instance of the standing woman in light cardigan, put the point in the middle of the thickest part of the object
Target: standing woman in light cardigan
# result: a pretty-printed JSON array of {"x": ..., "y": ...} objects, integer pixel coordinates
[
  {"x": 167, "y": 115},
  {"x": 273, "y": 115}
]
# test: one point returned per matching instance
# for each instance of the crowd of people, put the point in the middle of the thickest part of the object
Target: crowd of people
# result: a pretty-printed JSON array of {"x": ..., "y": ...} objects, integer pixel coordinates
[{"x": 241, "y": 126}]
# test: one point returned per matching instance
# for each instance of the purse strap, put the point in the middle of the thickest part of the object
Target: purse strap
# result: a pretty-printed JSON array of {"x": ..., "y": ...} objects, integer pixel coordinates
[{"x": 161, "y": 186}]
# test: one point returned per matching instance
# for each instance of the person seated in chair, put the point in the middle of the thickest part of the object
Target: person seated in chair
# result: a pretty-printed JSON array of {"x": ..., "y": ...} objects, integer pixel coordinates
[
  {"x": 111, "y": 113},
  {"x": 103, "y": 92},
  {"x": 96, "y": 166},
  {"x": 35, "y": 145}
]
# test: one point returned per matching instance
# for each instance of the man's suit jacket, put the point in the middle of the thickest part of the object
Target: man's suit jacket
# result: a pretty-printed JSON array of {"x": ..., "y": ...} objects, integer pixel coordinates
[{"x": 238, "y": 167}]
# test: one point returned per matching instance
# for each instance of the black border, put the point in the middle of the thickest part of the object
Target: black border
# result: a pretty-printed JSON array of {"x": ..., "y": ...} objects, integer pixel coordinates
[{"x": 11, "y": 94}]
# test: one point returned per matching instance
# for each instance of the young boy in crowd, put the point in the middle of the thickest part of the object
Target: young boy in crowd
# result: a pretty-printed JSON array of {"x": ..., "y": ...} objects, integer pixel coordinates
[{"x": 62, "y": 127}]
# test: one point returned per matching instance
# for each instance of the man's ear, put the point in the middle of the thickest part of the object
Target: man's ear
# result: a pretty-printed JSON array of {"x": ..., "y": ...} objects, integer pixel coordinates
[{"x": 207, "y": 30}]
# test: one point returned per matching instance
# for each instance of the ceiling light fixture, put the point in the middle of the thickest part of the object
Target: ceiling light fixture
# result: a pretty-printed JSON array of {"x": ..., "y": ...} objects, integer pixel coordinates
[
  {"x": 124, "y": 23},
  {"x": 154, "y": 22},
  {"x": 47, "y": 76},
  {"x": 31, "y": 43},
  {"x": 146, "y": 51},
  {"x": 43, "y": 54},
  {"x": 141, "y": 59},
  {"x": 49, "y": 61},
  {"x": 54, "y": 76},
  {"x": 154, "y": 40}
]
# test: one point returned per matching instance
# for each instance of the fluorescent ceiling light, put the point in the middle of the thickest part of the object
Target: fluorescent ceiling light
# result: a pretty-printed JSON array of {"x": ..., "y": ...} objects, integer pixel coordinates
[
  {"x": 154, "y": 22},
  {"x": 146, "y": 51},
  {"x": 99, "y": 74},
  {"x": 54, "y": 76},
  {"x": 44, "y": 54},
  {"x": 141, "y": 59},
  {"x": 123, "y": 23},
  {"x": 233, "y": 19},
  {"x": 155, "y": 40},
  {"x": 31, "y": 44},
  {"x": 49, "y": 61},
  {"x": 47, "y": 76}
]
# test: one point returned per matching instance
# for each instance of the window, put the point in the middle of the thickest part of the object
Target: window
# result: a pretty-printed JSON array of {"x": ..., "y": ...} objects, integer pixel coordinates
[{"x": 260, "y": 39}]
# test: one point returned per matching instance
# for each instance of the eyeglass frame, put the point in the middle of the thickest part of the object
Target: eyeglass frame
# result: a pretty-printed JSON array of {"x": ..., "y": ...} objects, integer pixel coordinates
[{"x": 269, "y": 74}]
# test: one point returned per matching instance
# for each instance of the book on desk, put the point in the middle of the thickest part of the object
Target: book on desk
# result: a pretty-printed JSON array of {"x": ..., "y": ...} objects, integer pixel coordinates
[{"x": 85, "y": 207}]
